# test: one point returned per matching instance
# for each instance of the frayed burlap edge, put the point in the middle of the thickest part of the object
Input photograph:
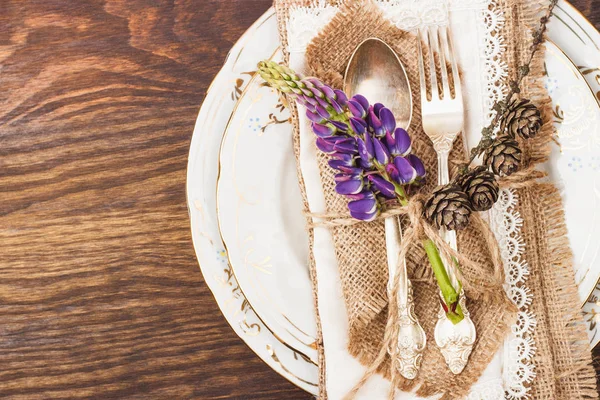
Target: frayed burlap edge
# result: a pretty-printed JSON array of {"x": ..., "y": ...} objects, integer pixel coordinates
[{"x": 563, "y": 361}]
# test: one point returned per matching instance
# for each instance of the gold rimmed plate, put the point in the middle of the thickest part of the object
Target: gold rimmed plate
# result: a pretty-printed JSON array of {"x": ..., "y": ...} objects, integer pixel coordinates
[{"x": 250, "y": 239}]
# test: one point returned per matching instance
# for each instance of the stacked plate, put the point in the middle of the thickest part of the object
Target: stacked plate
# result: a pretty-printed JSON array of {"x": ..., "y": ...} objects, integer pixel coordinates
[{"x": 246, "y": 208}]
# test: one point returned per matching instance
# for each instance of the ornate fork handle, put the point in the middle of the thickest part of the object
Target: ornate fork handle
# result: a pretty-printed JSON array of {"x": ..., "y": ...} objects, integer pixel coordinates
[{"x": 454, "y": 341}]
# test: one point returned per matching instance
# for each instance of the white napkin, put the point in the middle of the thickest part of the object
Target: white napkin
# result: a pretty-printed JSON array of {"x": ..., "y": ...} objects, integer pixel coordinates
[{"x": 342, "y": 370}]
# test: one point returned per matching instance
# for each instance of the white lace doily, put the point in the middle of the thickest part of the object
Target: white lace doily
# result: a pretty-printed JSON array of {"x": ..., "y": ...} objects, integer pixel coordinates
[{"x": 519, "y": 347}]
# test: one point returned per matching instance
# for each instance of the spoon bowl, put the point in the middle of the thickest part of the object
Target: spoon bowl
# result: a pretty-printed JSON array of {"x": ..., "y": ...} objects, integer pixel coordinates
[{"x": 376, "y": 72}]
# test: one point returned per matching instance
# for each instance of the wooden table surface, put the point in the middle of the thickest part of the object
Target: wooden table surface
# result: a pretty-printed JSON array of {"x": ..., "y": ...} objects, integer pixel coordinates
[{"x": 100, "y": 291}]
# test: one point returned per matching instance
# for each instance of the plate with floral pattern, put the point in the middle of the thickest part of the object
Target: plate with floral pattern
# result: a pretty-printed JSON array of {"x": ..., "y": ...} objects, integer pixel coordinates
[{"x": 246, "y": 209}]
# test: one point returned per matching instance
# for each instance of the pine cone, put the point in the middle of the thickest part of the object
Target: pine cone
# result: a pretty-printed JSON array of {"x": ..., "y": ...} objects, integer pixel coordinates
[
  {"x": 448, "y": 207},
  {"x": 482, "y": 188},
  {"x": 503, "y": 156},
  {"x": 522, "y": 118}
]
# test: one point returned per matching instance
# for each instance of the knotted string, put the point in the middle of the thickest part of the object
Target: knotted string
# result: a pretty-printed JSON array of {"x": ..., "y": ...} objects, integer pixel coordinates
[{"x": 420, "y": 228}]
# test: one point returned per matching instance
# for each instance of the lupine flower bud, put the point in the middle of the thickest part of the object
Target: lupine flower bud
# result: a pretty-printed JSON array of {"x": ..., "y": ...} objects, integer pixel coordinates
[
  {"x": 349, "y": 184},
  {"x": 387, "y": 119},
  {"x": 365, "y": 209},
  {"x": 346, "y": 146},
  {"x": 362, "y": 101},
  {"x": 384, "y": 187},
  {"x": 417, "y": 165},
  {"x": 323, "y": 130},
  {"x": 382, "y": 155},
  {"x": 375, "y": 123},
  {"x": 358, "y": 125},
  {"x": 356, "y": 109},
  {"x": 339, "y": 160},
  {"x": 366, "y": 150},
  {"x": 307, "y": 91},
  {"x": 407, "y": 174}
]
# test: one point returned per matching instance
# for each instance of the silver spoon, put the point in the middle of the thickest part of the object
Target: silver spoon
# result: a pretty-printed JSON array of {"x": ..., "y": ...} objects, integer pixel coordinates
[{"x": 376, "y": 72}]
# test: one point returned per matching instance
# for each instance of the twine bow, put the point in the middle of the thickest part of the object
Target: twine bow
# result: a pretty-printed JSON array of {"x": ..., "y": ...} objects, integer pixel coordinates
[{"x": 421, "y": 229}]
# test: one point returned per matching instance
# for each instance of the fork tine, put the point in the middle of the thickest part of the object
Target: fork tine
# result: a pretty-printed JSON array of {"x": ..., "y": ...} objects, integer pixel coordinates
[
  {"x": 421, "y": 67},
  {"x": 443, "y": 56},
  {"x": 432, "y": 45},
  {"x": 452, "y": 59}
]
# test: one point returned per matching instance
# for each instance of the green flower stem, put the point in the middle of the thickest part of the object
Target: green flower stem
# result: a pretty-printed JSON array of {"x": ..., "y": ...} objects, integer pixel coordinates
[{"x": 449, "y": 294}]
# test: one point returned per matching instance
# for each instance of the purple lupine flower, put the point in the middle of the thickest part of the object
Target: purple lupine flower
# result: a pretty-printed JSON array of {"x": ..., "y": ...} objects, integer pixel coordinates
[
  {"x": 382, "y": 154},
  {"x": 399, "y": 143},
  {"x": 341, "y": 126},
  {"x": 358, "y": 125},
  {"x": 366, "y": 150},
  {"x": 322, "y": 111},
  {"x": 323, "y": 130},
  {"x": 393, "y": 172},
  {"x": 314, "y": 116},
  {"x": 387, "y": 119},
  {"x": 360, "y": 99},
  {"x": 417, "y": 165},
  {"x": 328, "y": 144},
  {"x": 375, "y": 123},
  {"x": 356, "y": 109},
  {"x": 371, "y": 154},
  {"x": 349, "y": 184},
  {"x": 384, "y": 187},
  {"x": 406, "y": 173},
  {"x": 341, "y": 97},
  {"x": 346, "y": 146},
  {"x": 364, "y": 210},
  {"x": 339, "y": 160},
  {"x": 365, "y": 194}
]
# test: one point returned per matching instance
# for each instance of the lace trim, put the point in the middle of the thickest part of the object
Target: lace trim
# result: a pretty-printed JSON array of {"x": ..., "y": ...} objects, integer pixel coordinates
[
  {"x": 305, "y": 23},
  {"x": 519, "y": 347},
  {"x": 488, "y": 390},
  {"x": 409, "y": 15},
  {"x": 491, "y": 49}
]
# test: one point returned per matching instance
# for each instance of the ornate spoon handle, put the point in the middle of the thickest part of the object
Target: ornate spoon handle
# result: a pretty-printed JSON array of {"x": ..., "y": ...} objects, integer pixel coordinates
[{"x": 411, "y": 336}]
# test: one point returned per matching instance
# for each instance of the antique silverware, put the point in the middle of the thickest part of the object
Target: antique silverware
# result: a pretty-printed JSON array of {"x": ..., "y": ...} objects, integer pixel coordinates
[
  {"x": 376, "y": 72},
  {"x": 443, "y": 118}
]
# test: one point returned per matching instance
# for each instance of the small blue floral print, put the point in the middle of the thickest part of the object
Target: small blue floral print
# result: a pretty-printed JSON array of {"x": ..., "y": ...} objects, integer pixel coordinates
[
  {"x": 551, "y": 85},
  {"x": 576, "y": 164},
  {"x": 595, "y": 163},
  {"x": 254, "y": 124},
  {"x": 222, "y": 255}
]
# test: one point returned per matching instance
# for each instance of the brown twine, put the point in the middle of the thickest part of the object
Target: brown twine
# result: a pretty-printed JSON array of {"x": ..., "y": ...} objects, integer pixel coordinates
[{"x": 420, "y": 228}]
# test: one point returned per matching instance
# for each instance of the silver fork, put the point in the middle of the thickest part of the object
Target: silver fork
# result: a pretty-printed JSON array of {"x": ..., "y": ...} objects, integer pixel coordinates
[{"x": 443, "y": 118}]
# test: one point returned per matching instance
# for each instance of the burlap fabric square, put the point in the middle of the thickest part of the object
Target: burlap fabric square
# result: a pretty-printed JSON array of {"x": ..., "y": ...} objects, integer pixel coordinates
[{"x": 562, "y": 359}]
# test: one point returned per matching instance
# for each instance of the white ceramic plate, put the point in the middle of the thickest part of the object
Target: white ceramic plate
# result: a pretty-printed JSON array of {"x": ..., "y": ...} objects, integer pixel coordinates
[
  {"x": 259, "y": 42},
  {"x": 261, "y": 282}
]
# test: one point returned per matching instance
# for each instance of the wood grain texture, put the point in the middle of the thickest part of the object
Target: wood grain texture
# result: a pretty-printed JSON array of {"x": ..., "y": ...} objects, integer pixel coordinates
[{"x": 100, "y": 292}]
